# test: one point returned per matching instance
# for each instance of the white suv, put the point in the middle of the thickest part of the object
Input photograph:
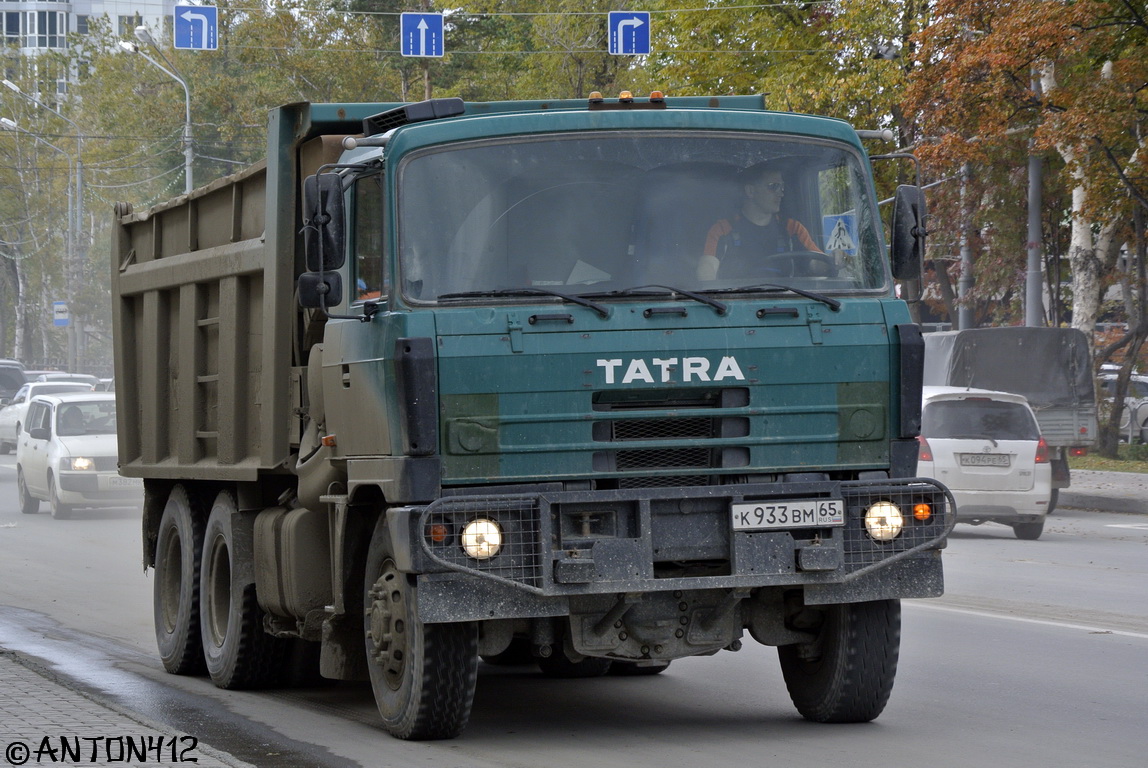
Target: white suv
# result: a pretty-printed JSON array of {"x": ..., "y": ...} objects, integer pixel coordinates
[{"x": 986, "y": 448}]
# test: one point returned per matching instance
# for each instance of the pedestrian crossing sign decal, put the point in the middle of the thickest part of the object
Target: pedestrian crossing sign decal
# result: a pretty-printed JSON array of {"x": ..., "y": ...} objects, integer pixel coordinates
[{"x": 840, "y": 233}]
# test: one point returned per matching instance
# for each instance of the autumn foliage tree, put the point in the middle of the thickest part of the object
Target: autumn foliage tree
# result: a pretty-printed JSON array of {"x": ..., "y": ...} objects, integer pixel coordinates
[{"x": 1001, "y": 78}]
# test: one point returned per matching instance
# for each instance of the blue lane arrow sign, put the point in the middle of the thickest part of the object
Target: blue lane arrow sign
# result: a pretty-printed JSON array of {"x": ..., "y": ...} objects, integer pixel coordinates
[
  {"x": 195, "y": 27},
  {"x": 421, "y": 34},
  {"x": 629, "y": 33}
]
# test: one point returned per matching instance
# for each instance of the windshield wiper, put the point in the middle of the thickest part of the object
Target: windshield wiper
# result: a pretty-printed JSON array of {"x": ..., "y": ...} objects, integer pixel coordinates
[
  {"x": 832, "y": 303},
  {"x": 603, "y": 311},
  {"x": 639, "y": 290}
]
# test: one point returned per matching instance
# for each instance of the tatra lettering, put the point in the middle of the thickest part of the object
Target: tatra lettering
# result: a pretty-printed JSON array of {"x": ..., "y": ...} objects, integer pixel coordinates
[
  {"x": 728, "y": 369},
  {"x": 666, "y": 370},
  {"x": 638, "y": 371},
  {"x": 610, "y": 366},
  {"x": 695, "y": 366}
]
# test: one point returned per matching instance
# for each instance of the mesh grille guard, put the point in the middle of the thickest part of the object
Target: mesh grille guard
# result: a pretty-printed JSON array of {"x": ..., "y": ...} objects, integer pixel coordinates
[{"x": 525, "y": 559}]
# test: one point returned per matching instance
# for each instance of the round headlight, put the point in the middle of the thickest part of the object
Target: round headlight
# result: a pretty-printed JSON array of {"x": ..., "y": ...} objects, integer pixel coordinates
[
  {"x": 481, "y": 539},
  {"x": 883, "y": 520}
]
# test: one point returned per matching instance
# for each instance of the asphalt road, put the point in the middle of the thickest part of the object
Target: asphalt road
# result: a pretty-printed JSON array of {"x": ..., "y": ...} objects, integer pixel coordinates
[{"x": 1036, "y": 656}]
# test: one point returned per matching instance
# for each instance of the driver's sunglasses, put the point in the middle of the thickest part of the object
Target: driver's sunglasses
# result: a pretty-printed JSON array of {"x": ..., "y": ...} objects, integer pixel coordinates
[{"x": 776, "y": 187}]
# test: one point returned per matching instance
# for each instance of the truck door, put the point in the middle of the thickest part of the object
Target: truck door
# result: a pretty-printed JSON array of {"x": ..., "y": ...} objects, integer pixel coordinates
[{"x": 353, "y": 351}]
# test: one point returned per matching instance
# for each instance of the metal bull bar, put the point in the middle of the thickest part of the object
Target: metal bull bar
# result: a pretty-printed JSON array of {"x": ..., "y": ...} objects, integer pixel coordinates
[{"x": 596, "y": 542}]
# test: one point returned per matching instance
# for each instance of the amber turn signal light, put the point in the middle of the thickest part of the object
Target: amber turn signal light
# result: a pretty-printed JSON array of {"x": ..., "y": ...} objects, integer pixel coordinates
[{"x": 922, "y": 512}]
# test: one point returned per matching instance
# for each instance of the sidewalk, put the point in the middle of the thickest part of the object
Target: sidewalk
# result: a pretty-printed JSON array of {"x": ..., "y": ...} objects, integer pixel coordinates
[
  {"x": 1107, "y": 491},
  {"x": 43, "y": 722}
]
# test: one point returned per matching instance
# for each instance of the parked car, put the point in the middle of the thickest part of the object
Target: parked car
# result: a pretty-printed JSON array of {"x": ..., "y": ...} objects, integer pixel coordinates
[
  {"x": 12, "y": 415},
  {"x": 11, "y": 377},
  {"x": 987, "y": 448},
  {"x": 66, "y": 454},
  {"x": 1134, "y": 417}
]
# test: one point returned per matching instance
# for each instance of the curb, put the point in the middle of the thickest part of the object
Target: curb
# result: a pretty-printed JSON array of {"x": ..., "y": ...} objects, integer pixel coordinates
[{"x": 1072, "y": 500}]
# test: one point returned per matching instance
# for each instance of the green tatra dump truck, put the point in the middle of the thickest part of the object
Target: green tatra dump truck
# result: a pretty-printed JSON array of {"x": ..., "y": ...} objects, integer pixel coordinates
[{"x": 593, "y": 385}]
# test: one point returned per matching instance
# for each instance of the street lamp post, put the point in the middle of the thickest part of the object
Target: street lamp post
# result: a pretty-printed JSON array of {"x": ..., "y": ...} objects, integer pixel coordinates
[
  {"x": 79, "y": 241},
  {"x": 144, "y": 36}
]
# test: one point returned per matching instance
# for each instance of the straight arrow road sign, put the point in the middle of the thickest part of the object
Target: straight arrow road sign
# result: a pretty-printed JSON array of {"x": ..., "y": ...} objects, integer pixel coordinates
[{"x": 422, "y": 34}]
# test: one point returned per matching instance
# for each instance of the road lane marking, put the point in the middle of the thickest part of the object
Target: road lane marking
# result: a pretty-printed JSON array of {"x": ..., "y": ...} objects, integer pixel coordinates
[
  {"x": 1131, "y": 526},
  {"x": 1025, "y": 620}
]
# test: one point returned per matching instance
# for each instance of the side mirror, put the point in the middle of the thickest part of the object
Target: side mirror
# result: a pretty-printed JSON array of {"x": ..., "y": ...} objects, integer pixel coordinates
[
  {"x": 40, "y": 433},
  {"x": 319, "y": 290},
  {"x": 323, "y": 237},
  {"x": 908, "y": 236}
]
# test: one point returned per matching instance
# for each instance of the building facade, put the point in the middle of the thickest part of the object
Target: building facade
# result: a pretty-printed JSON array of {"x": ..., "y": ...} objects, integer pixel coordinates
[{"x": 36, "y": 26}]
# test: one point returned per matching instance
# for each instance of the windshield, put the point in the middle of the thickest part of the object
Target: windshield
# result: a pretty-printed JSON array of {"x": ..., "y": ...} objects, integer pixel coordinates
[
  {"x": 593, "y": 213},
  {"x": 88, "y": 418}
]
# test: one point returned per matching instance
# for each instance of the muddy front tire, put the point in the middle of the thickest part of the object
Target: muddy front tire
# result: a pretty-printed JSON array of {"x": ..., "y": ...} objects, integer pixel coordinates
[
  {"x": 238, "y": 653},
  {"x": 423, "y": 675},
  {"x": 175, "y": 596},
  {"x": 846, "y": 674}
]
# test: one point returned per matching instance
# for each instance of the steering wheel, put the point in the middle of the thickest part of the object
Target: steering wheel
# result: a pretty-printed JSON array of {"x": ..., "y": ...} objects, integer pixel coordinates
[
  {"x": 802, "y": 264},
  {"x": 787, "y": 264}
]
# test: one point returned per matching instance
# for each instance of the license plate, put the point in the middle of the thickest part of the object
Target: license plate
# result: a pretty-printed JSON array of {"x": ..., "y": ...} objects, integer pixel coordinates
[
  {"x": 985, "y": 460},
  {"x": 118, "y": 482},
  {"x": 803, "y": 513}
]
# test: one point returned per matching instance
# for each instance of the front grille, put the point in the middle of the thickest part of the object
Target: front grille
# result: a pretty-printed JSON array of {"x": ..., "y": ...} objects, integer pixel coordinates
[
  {"x": 662, "y": 429},
  {"x": 653, "y": 417},
  {"x": 664, "y": 481},
  {"x": 663, "y": 458}
]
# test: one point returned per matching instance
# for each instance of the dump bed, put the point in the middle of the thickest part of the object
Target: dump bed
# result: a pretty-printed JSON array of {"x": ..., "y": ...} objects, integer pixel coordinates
[{"x": 203, "y": 319}]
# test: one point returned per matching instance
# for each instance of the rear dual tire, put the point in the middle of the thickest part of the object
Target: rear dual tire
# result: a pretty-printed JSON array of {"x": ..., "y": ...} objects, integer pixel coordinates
[
  {"x": 207, "y": 617},
  {"x": 175, "y": 597},
  {"x": 237, "y": 652}
]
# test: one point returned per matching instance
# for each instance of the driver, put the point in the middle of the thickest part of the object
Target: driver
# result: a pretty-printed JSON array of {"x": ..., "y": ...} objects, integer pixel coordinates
[{"x": 758, "y": 227}]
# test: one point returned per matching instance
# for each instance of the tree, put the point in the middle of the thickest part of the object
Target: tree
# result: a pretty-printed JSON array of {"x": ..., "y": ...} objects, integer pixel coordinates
[{"x": 975, "y": 91}]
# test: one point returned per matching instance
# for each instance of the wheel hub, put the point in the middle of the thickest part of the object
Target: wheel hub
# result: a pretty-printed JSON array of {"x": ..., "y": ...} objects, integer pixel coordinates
[{"x": 387, "y": 625}]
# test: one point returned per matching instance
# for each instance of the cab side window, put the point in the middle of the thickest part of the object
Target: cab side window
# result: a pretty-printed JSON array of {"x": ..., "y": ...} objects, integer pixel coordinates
[
  {"x": 39, "y": 415},
  {"x": 367, "y": 239}
]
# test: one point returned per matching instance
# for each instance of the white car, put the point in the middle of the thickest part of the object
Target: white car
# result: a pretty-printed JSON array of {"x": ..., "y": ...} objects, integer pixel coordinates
[
  {"x": 986, "y": 448},
  {"x": 66, "y": 453},
  {"x": 1134, "y": 417},
  {"x": 12, "y": 414}
]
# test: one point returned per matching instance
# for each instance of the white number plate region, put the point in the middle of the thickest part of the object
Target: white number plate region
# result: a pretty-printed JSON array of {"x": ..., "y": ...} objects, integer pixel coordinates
[
  {"x": 985, "y": 460},
  {"x": 806, "y": 513},
  {"x": 118, "y": 482}
]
